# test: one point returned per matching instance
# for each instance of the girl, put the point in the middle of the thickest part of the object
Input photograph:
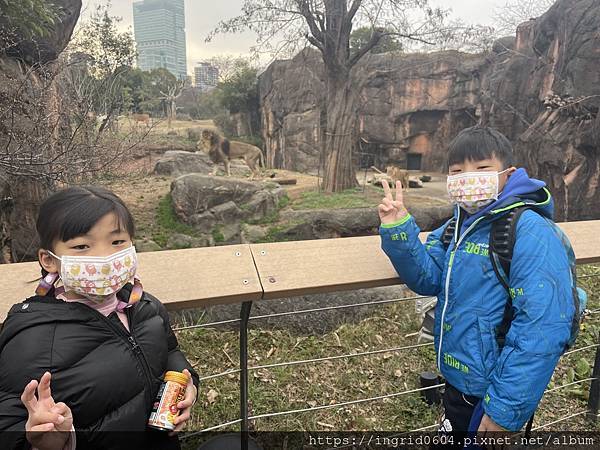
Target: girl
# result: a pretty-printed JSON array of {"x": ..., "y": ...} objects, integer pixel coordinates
[{"x": 96, "y": 342}]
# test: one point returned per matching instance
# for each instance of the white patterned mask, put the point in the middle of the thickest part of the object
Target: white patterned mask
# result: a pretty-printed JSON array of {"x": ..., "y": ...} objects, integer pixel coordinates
[
  {"x": 98, "y": 277},
  {"x": 473, "y": 191}
]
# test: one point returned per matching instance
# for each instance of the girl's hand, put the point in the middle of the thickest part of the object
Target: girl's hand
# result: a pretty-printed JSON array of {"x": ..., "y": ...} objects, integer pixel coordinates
[
  {"x": 45, "y": 416},
  {"x": 185, "y": 406},
  {"x": 391, "y": 210}
]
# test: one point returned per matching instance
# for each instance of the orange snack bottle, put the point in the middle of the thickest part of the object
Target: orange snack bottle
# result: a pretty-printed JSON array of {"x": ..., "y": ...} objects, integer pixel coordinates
[{"x": 164, "y": 409}]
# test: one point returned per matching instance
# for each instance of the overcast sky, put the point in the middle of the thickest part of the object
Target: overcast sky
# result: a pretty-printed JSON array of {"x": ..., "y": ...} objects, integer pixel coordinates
[{"x": 203, "y": 15}]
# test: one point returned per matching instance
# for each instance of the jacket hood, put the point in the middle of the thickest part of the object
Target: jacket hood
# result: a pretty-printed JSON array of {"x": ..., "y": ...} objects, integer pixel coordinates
[{"x": 519, "y": 188}]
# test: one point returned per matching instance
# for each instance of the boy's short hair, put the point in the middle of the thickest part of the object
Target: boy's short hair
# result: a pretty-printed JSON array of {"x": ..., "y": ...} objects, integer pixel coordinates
[{"x": 478, "y": 143}]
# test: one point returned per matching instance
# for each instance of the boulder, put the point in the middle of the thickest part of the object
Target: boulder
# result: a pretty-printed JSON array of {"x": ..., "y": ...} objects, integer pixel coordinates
[
  {"x": 181, "y": 241},
  {"x": 47, "y": 49},
  {"x": 176, "y": 163},
  {"x": 205, "y": 201},
  {"x": 227, "y": 212},
  {"x": 253, "y": 233},
  {"x": 327, "y": 224},
  {"x": 147, "y": 245},
  {"x": 204, "y": 222}
]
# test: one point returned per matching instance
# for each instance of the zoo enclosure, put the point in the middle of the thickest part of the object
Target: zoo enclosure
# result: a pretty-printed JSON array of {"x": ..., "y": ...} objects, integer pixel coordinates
[{"x": 247, "y": 273}]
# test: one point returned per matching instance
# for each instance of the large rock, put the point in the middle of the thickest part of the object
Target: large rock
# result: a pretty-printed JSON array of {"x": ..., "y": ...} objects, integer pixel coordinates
[
  {"x": 176, "y": 163},
  {"x": 413, "y": 105},
  {"x": 206, "y": 201},
  {"x": 33, "y": 123},
  {"x": 47, "y": 49},
  {"x": 545, "y": 96},
  {"x": 327, "y": 223}
]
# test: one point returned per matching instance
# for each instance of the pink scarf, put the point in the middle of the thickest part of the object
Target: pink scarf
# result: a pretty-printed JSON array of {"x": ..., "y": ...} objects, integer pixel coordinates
[{"x": 110, "y": 305}]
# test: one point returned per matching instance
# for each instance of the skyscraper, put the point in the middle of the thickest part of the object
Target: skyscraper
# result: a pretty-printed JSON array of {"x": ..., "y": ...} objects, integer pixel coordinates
[
  {"x": 160, "y": 35},
  {"x": 206, "y": 76}
]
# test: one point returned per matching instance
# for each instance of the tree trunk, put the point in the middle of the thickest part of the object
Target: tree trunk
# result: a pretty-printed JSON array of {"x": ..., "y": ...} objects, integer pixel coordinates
[{"x": 340, "y": 173}]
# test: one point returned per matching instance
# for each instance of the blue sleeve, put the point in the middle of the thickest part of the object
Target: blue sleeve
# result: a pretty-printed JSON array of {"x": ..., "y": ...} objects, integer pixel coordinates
[
  {"x": 540, "y": 281},
  {"x": 419, "y": 265}
]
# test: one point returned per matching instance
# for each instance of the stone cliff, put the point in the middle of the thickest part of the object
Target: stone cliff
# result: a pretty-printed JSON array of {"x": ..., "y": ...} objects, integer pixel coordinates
[
  {"x": 542, "y": 89},
  {"x": 24, "y": 69}
]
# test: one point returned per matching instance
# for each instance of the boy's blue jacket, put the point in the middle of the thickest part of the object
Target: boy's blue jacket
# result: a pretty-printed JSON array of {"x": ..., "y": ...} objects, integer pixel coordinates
[{"x": 471, "y": 300}]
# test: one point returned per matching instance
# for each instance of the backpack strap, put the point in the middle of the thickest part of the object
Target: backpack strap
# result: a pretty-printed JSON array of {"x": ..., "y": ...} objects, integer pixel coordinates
[
  {"x": 448, "y": 233},
  {"x": 502, "y": 244}
]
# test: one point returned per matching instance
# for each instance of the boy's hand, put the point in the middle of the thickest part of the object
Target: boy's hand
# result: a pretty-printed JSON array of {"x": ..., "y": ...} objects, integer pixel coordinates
[
  {"x": 185, "y": 405},
  {"x": 488, "y": 425},
  {"x": 46, "y": 418},
  {"x": 391, "y": 210}
]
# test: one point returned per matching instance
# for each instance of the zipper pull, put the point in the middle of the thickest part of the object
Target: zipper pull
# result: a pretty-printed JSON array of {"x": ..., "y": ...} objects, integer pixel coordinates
[{"x": 134, "y": 344}]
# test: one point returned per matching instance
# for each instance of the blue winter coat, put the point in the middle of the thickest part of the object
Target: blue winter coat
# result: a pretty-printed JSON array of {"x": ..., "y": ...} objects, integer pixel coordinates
[{"x": 471, "y": 300}]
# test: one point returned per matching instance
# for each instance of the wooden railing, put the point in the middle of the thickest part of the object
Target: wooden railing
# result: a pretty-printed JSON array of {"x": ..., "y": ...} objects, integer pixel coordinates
[
  {"x": 239, "y": 273},
  {"x": 247, "y": 273}
]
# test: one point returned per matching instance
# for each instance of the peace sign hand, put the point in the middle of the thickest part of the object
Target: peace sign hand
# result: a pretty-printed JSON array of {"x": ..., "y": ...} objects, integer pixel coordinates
[
  {"x": 391, "y": 210},
  {"x": 45, "y": 416}
]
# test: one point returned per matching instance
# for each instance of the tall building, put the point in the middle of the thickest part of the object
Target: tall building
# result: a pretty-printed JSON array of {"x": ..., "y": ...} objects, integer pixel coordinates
[
  {"x": 206, "y": 76},
  {"x": 160, "y": 35}
]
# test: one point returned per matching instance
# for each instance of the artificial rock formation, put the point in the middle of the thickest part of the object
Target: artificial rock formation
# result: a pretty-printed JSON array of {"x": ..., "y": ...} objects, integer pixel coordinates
[
  {"x": 541, "y": 89},
  {"x": 24, "y": 68}
]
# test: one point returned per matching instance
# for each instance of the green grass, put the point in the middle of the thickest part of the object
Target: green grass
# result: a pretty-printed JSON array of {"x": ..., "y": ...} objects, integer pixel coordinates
[
  {"x": 217, "y": 234},
  {"x": 351, "y": 198},
  {"x": 294, "y": 387},
  {"x": 275, "y": 233},
  {"x": 168, "y": 224}
]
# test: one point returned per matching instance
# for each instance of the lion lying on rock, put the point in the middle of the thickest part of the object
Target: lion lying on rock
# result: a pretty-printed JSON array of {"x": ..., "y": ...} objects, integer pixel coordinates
[{"x": 222, "y": 150}]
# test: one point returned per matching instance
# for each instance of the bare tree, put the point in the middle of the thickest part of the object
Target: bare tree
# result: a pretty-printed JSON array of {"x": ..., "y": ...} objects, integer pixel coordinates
[
  {"x": 285, "y": 26},
  {"x": 170, "y": 99},
  {"x": 514, "y": 12}
]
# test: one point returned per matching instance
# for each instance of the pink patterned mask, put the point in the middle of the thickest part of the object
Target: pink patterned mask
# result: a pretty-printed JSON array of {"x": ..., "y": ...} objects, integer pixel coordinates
[
  {"x": 473, "y": 191},
  {"x": 98, "y": 277}
]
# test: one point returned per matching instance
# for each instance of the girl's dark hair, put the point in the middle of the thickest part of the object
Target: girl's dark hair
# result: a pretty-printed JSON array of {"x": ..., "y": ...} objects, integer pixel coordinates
[
  {"x": 478, "y": 143},
  {"x": 75, "y": 210}
]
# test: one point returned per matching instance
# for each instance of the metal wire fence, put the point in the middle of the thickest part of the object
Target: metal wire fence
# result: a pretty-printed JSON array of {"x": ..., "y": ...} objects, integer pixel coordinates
[{"x": 592, "y": 410}]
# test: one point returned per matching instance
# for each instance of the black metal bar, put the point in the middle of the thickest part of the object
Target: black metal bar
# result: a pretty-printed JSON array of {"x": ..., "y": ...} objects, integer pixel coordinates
[
  {"x": 594, "y": 398},
  {"x": 244, "y": 316}
]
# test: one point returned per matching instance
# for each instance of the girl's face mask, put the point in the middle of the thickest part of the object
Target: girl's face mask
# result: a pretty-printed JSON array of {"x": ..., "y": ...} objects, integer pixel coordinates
[
  {"x": 473, "y": 191},
  {"x": 98, "y": 277}
]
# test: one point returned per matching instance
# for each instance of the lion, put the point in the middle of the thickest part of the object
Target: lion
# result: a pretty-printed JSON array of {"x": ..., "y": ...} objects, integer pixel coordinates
[
  {"x": 222, "y": 150},
  {"x": 396, "y": 173}
]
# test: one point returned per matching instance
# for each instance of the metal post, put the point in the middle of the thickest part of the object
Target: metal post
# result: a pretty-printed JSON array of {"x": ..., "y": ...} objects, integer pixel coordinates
[
  {"x": 244, "y": 315},
  {"x": 594, "y": 398}
]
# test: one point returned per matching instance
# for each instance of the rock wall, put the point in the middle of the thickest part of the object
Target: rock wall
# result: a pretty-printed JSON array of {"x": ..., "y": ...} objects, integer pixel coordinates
[
  {"x": 541, "y": 89},
  {"x": 545, "y": 96},
  {"x": 25, "y": 67},
  {"x": 408, "y": 109}
]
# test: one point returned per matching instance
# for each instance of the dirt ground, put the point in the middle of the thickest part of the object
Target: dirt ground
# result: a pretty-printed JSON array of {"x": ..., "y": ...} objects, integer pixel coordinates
[{"x": 135, "y": 182}]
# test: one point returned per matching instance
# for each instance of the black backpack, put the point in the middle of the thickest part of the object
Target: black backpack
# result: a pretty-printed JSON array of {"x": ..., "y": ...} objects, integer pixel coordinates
[{"x": 502, "y": 242}]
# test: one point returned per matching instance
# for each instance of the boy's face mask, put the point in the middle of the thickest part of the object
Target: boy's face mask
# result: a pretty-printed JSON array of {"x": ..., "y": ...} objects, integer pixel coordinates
[
  {"x": 473, "y": 191},
  {"x": 98, "y": 277}
]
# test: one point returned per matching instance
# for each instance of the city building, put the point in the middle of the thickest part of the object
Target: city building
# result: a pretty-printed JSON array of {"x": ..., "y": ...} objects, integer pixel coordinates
[
  {"x": 206, "y": 76},
  {"x": 159, "y": 27}
]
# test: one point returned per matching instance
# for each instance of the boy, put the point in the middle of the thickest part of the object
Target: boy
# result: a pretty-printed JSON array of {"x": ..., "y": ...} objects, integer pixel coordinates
[{"x": 489, "y": 386}]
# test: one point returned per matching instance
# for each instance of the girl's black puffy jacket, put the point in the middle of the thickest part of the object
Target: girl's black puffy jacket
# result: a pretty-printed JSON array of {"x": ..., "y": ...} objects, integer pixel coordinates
[{"x": 107, "y": 376}]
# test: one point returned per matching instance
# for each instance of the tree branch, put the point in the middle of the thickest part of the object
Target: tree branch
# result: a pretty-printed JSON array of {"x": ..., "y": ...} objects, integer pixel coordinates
[
  {"x": 316, "y": 43},
  {"x": 308, "y": 15},
  {"x": 375, "y": 38},
  {"x": 352, "y": 11}
]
